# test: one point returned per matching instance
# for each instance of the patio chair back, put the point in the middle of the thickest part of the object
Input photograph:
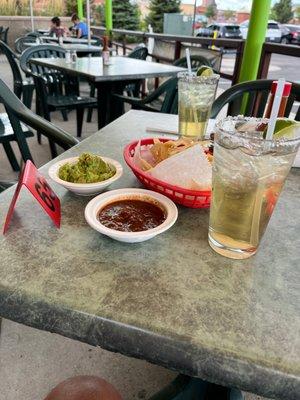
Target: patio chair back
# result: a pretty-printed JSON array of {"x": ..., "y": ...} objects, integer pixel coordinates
[
  {"x": 170, "y": 102},
  {"x": 21, "y": 43},
  {"x": 58, "y": 91},
  {"x": 213, "y": 56},
  {"x": 3, "y": 35},
  {"x": 18, "y": 113},
  {"x": 12, "y": 60},
  {"x": 196, "y": 62},
  {"x": 34, "y": 34},
  {"x": 139, "y": 53},
  {"x": 99, "y": 41},
  {"x": 257, "y": 94},
  {"x": 163, "y": 99},
  {"x": 53, "y": 84},
  {"x": 39, "y": 51},
  {"x": 48, "y": 81},
  {"x": 168, "y": 91}
]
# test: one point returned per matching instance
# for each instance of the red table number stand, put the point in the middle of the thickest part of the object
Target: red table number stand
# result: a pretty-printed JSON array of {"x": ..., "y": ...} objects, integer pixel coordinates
[{"x": 41, "y": 191}]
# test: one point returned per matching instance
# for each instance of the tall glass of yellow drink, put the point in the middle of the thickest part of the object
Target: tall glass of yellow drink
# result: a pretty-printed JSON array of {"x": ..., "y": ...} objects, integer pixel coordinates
[
  {"x": 195, "y": 97},
  {"x": 248, "y": 175}
]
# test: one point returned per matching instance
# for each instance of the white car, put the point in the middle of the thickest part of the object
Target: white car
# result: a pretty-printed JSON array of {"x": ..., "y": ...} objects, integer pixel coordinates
[{"x": 273, "y": 34}]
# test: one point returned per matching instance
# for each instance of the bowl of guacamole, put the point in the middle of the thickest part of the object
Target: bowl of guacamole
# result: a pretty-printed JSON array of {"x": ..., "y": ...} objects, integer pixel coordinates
[{"x": 86, "y": 174}]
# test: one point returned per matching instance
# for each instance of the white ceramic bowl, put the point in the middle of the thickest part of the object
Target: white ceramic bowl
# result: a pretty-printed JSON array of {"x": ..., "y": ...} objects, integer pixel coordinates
[
  {"x": 95, "y": 205},
  {"x": 85, "y": 189}
]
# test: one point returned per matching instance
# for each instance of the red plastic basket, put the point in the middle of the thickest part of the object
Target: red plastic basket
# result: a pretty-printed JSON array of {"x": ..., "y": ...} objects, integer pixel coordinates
[{"x": 185, "y": 197}]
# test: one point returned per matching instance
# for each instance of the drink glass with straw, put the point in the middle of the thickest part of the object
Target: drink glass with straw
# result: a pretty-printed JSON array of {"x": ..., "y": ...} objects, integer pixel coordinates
[
  {"x": 249, "y": 170},
  {"x": 196, "y": 94}
]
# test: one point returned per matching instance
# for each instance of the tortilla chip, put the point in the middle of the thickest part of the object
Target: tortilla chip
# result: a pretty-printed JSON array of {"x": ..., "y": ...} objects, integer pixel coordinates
[{"x": 188, "y": 169}]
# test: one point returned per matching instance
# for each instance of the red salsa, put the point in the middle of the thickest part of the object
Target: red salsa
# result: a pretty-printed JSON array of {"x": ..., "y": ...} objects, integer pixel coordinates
[{"x": 131, "y": 215}]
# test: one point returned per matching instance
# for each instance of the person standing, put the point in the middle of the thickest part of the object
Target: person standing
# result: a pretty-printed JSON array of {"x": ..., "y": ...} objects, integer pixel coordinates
[{"x": 80, "y": 27}]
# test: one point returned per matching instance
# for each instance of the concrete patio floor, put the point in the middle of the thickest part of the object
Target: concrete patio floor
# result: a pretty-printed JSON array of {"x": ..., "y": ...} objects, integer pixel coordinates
[{"x": 32, "y": 361}]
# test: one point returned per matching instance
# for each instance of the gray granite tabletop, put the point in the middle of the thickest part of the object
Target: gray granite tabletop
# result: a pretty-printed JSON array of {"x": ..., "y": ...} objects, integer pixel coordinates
[
  {"x": 172, "y": 300},
  {"x": 120, "y": 68}
]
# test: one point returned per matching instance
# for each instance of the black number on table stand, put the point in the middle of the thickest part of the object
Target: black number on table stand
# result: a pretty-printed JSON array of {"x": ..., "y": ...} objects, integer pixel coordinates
[{"x": 45, "y": 193}]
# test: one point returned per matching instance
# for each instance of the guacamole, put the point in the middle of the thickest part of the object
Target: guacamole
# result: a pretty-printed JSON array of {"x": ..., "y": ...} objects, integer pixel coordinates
[{"x": 88, "y": 169}]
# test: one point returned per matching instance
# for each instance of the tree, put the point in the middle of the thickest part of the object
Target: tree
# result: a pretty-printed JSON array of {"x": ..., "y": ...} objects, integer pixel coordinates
[
  {"x": 71, "y": 7},
  {"x": 125, "y": 15},
  {"x": 99, "y": 15},
  {"x": 228, "y": 14},
  {"x": 282, "y": 11},
  {"x": 157, "y": 9},
  {"x": 210, "y": 11},
  {"x": 297, "y": 12}
]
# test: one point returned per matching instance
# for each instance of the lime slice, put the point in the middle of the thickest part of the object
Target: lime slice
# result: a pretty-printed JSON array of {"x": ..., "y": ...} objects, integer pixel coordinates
[
  {"x": 283, "y": 123},
  {"x": 204, "y": 70},
  {"x": 285, "y": 128}
]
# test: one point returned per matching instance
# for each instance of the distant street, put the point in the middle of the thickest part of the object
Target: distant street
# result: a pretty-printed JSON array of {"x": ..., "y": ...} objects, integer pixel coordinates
[{"x": 281, "y": 66}]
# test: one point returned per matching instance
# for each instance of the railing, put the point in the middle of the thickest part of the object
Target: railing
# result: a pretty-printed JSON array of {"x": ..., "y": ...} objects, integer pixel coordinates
[
  {"x": 269, "y": 49},
  {"x": 179, "y": 42}
]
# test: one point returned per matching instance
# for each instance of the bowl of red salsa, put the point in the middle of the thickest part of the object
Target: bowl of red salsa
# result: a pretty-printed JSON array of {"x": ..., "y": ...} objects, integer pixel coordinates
[{"x": 131, "y": 215}]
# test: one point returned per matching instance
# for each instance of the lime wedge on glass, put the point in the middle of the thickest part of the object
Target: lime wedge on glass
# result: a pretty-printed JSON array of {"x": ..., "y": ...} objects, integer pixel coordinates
[
  {"x": 204, "y": 70},
  {"x": 285, "y": 128}
]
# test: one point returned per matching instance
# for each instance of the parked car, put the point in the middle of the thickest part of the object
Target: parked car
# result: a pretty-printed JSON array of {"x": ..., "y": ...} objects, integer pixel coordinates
[
  {"x": 290, "y": 34},
  {"x": 273, "y": 32},
  {"x": 285, "y": 34},
  {"x": 225, "y": 31}
]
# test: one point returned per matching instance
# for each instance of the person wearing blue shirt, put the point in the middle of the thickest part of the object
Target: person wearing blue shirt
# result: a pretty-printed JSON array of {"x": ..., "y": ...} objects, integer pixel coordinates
[{"x": 80, "y": 27}]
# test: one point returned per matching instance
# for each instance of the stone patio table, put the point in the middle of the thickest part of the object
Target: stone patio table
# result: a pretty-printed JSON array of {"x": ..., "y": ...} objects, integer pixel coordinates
[
  {"x": 172, "y": 300},
  {"x": 109, "y": 79}
]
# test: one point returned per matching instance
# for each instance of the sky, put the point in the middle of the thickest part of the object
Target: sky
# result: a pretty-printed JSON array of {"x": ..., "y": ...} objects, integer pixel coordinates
[{"x": 230, "y": 4}]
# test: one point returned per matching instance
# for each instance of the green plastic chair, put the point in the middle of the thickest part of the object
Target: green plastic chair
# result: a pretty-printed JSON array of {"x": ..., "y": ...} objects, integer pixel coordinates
[
  {"x": 39, "y": 51},
  {"x": 21, "y": 43},
  {"x": 56, "y": 90},
  {"x": 257, "y": 93},
  {"x": 99, "y": 41},
  {"x": 4, "y": 34},
  {"x": 139, "y": 53},
  {"x": 7, "y": 136},
  {"x": 23, "y": 88},
  {"x": 18, "y": 113},
  {"x": 167, "y": 90},
  {"x": 52, "y": 98},
  {"x": 34, "y": 34},
  {"x": 196, "y": 62}
]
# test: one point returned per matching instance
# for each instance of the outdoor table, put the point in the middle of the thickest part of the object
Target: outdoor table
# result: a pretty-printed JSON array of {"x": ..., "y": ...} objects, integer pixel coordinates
[
  {"x": 109, "y": 79},
  {"x": 171, "y": 300},
  {"x": 68, "y": 39}
]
